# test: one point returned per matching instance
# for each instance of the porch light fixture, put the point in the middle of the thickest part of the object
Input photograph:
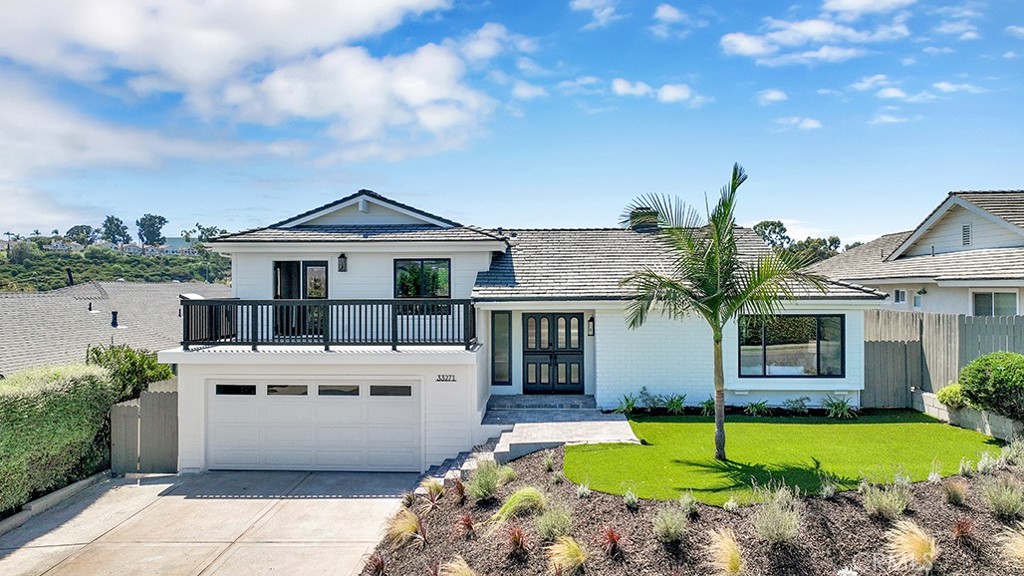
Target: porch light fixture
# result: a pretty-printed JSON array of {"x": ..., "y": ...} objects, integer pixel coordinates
[
  {"x": 342, "y": 263},
  {"x": 590, "y": 326}
]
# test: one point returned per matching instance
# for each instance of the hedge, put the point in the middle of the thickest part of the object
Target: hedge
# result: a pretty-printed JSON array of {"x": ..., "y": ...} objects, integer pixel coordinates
[
  {"x": 130, "y": 369},
  {"x": 995, "y": 382},
  {"x": 53, "y": 429}
]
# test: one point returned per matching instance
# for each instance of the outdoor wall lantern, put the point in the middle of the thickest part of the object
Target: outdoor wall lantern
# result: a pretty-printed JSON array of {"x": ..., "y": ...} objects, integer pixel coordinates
[
  {"x": 342, "y": 263},
  {"x": 590, "y": 326}
]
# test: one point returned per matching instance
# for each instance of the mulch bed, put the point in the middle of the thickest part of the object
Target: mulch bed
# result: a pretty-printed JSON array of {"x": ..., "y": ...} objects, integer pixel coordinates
[{"x": 836, "y": 534}]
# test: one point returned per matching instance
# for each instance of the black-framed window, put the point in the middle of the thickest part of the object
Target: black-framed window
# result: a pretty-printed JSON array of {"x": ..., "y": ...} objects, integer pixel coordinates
[
  {"x": 792, "y": 346},
  {"x": 501, "y": 348},
  {"x": 995, "y": 303},
  {"x": 423, "y": 278}
]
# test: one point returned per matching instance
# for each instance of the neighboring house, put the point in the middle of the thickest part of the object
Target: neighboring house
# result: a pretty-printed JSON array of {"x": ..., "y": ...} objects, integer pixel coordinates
[
  {"x": 63, "y": 246},
  {"x": 106, "y": 245},
  {"x": 369, "y": 335},
  {"x": 56, "y": 327},
  {"x": 169, "y": 251},
  {"x": 151, "y": 250},
  {"x": 188, "y": 251},
  {"x": 132, "y": 249},
  {"x": 967, "y": 257}
]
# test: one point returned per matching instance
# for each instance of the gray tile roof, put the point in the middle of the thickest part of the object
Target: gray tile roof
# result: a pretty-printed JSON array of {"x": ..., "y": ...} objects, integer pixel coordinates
[
  {"x": 369, "y": 194},
  {"x": 361, "y": 233},
  {"x": 1006, "y": 204},
  {"x": 55, "y": 327},
  {"x": 867, "y": 262},
  {"x": 590, "y": 264}
]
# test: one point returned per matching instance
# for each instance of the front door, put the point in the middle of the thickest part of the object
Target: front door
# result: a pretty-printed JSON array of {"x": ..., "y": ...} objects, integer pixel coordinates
[{"x": 553, "y": 353}]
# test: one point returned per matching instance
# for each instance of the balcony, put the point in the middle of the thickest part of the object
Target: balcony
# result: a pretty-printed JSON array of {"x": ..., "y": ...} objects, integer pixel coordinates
[{"x": 394, "y": 323}]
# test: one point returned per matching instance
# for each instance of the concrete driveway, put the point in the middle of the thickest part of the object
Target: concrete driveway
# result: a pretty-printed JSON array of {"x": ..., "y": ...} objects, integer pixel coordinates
[{"x": 225, "y": 523}]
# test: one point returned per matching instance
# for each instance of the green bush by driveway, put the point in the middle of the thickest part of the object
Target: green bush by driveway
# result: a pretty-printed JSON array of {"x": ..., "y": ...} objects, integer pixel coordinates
[
  {"x": 52, "y": 429},
  {"x": 996, "y": 382},
  {"x": 676, "y": 454}
]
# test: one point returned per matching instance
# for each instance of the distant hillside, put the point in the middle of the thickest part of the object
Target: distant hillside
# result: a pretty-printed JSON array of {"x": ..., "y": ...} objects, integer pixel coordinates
[{"x": 41, "y": 271}]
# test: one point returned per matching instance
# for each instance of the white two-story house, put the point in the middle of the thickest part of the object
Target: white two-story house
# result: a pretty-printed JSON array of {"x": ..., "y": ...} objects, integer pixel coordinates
[
  {"x": 966, "y": 257},
  {"x": 369, "y": 335}
]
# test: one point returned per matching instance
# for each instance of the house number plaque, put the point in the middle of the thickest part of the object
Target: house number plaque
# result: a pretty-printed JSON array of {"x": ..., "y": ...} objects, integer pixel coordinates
[{"x": 446, "y": 378}]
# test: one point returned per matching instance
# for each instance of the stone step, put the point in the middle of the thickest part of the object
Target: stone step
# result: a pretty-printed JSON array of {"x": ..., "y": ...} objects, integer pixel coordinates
[{"x": 541, "y": 402}]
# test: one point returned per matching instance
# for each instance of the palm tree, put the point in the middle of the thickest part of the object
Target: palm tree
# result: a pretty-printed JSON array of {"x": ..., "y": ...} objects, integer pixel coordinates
[{"x": 708, "y": 275}]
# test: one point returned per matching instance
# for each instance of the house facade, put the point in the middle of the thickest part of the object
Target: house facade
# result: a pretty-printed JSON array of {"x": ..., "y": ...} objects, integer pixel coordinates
[
  {"x": 369, "y": 335},
  {"x": 966, "y": 257}
]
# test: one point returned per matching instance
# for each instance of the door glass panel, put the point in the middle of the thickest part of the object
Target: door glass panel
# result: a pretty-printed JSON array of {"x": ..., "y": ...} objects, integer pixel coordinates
[
  {"x": 286, "y": 390},
  {"x": 562, "y": 335},
  {"x": 338, "y": 389},
  {"x": 502, "y": 350},
  {"x": 561, "y": 373},
  {"x": 531, "y": 373},
  {"x": 545, "y": 335},
  {"x": 531, "y": 333},
  {"x": 574, "y": 332},
  {"x": 316, "y": 281},
  {"x": 545, "y": 374},
  {"x": 574, "y": 373}
]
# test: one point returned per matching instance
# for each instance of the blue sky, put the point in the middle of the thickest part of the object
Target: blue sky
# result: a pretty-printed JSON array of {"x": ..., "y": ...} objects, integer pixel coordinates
[{"x": 852, "y": 117}]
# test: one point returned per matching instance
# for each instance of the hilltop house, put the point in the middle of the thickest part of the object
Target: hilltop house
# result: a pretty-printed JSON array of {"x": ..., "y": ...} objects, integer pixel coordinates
[
  {"x": 966, "y": 257},
  {"x": 369, "y": 335}
]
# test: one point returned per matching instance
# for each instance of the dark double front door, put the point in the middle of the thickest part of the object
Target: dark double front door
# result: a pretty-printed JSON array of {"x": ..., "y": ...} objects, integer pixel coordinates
[{"x": 552, "y": 353}]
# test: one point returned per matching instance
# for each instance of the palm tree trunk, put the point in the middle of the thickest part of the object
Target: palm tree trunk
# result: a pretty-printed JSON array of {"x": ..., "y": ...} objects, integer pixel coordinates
[{"x": 719, "y": 399}]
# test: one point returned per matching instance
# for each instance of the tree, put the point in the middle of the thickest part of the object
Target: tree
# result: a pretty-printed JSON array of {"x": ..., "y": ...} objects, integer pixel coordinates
[
  {"x": 708, "y": 276},
  {"x": 814, "y": 250},
  {"x": 36, "y": 232},
  {"x": 82, "y": 233},
  {"x": 150, "y": 226},
  {"x": 852, "y": 245},
  {"x": 20, "y": 253},
  {"x": 202, "y": 233},
  {"x": 114, "y": 230},
  {"x": 773, "y": 232}
]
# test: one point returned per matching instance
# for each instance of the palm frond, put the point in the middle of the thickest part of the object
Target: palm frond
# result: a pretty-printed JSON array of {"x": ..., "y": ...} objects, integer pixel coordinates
[
  {"x": 674, "y": 297},
  {"x": 663, "y": 211}
]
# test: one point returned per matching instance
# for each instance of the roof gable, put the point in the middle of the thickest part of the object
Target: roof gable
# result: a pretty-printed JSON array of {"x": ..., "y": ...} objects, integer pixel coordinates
[
  {"x": 365, "y": 207},
  {"x": 954, "y": 201}
]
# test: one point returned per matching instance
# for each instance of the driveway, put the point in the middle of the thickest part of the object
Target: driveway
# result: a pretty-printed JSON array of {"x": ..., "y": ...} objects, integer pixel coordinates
[{"x": 225, "y": 523}]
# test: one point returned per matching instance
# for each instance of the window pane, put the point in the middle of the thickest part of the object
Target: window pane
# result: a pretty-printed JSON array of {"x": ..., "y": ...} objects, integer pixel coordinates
[
  {"x": 791, "y": 346},
  {"x": 390, "y": 390},
  {"x": 831, "y": 334},
  {"x": 338, "y": 389},
  {"x": 316, "y": 281},
  {"x": 574, "y": 332},
  {"x": 502, "y": 347},
  {"x": 562, "y": 374},
  {"x": 236, "y": 390},
  {"x": 531, "y": 333},
  {"x": 574, "y": 373},
  {"x": 544, "y": 333},
  {"x": 982, "y": 303},
  {"x": 436, "y": 279},
  {"x": 286, "y": 390},
  {"x": 545, "y": 373},
  {"x": 531, "y": 373},
  {"x": 751, "y": 360},
  {"x": 562, "y": 336},
  {"x": 1005, "y": 303},
  {"x": 407, "y": 278}
]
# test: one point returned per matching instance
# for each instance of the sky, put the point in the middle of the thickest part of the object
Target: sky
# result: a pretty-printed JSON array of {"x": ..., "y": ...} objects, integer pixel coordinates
[{"x": 851, "y": 117}]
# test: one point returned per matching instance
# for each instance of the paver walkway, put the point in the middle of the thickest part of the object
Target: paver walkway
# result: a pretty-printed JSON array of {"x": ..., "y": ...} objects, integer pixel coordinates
[{"x": 223, "y": 523}]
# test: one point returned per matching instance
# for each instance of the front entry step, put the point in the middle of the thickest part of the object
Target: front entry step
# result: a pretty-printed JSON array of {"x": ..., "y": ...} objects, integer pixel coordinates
[{"x": 541, "y": 402}]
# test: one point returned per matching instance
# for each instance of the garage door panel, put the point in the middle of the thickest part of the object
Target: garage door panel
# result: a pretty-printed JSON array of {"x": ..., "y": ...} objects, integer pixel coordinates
[
  {"x": 393, "y": 413},
  {"x": 390, "y": 436},
  {"x": 234, "y": 410},
  {"x": 288, "y": 458},
  {"x": 285, "y": 410},
  {"x": 341, "y": 459},
  {"x": 329, "y": 411},
  {"x": 235, "y": 458},
  {"x": 273, "y": 435},
  {"x": 343, "y": 435}
]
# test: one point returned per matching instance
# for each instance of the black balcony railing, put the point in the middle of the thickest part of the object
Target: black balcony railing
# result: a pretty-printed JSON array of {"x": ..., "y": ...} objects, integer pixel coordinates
[{"x": 405, "y": 322}]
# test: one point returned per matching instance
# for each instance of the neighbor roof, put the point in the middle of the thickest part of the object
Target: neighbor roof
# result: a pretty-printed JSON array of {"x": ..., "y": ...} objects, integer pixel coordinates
[
  {"x": 590, "y": 264},
  {"x": 56, "y": 327}
]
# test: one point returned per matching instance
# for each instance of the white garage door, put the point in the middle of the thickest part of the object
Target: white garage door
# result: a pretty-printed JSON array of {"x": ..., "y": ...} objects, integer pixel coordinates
[{"x": 313, "y": 425}]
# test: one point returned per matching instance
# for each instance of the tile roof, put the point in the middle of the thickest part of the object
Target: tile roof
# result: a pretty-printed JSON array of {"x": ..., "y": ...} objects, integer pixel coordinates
[
  {"x": 867, "y": 262},
  {"x": 375, "y": 196},
  {"x": 590, "y": 264},
  {"x": 362, "y": 233},
  {"x": 56, "y": 327},
  {"x": 1006, "y": 204}
]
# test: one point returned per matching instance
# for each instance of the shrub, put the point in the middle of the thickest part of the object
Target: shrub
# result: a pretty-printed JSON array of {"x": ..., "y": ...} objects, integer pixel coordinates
[
  {"x": 631, "y": 500},
  {"x": 557, "y": 478},
  {"x": 828, "y": 485},
  {"x": 839, "y": 408},
  {"x": 515, "y": 541},
  {"x": 506, "y": 475},
  {"x": 963, "y": 530},
  {"x": 456, "y": 567},
  {"x": 405, "y": 528},
  {"x": 707, "y": 407},
  {"x": 887, "y": 502},
  {"x": 583, "y": 490},
  {"x": 1005, "y": 497},
  {"x": 554, "y": 522},
  {"x": 484, "y": 481},
  {"x": 130, "y": 369},
  {"x": 726, "y": 557},
  {"x": 996, "y": 382},
  {"x": 433, "y": 490},
  {"x": 796, "y": 405},
  {"x": 756, "y": 409},
  {"x": 1013, "y": 452},
  {"x": 778, "y": 518},
  {"x": 670, "y": 524},
  {"x": 549, "y": 461},
  {"x": 53, "y": 429},
  {"x": 650, "y": 401},
  {"x": 566, "y": 556},
  {"x": 409, "y": 499},
  {"x": 956, "y": 492},
  {"x": 966, "y": 467},
  {"x": 952, "y": 396},
  {"x": 910, "y": 547},
  {"x": 935, "y": 474},
  {"x": 459, "y": 489},
  {"x": 1012, "y": 543},
  {"x": 627, "y": 405},
  {"x": 467, "y": 526},
  {"x": 688, "y": 504},
  {"x": 675, "y": 404},
  {"x": 610, "y": 541},
  {"x": 376, "y": 565},
  {"x": 731, "y": 505},
  {"x": 522, "y": 502},
  {"x": 988, "y": 464}
]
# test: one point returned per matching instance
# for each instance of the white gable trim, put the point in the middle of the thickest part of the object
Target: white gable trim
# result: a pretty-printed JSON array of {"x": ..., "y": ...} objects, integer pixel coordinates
[
  {"x": 939, "y": 213},
  {"x": 362, "y": 200}
]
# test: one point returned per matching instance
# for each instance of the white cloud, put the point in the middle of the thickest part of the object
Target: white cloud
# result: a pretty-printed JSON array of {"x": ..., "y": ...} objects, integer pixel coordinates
[
  {"x": 531, "y": 68},
  {"x": 526, "y": 91},
  {"x": 871, "y": 82},
  {"x": 937, "y": 50},
  {"x": 825, "y": 54},
  {"x": 742, "y": 44},
  {"x": 891, "y": 93},
  {"x": 921, "y": 97},
  {"x": 492, "y": 40},
  {"x": 949, "y": 87},
  {"x": 602, "y": 12},
  {"x": 960, "y": 28},
  {"x": 580, "y": 85},
  {"x": 771, "y": 96},
  {"x": 908, "y": 61},
  {"x": 671, "y": 93},
  {"x": 623, "y": 87},
  {"x": 799, "y": 123},
  {"x": 1009, "y": 55},
  {"x": 853, "y": 9},
  {"x": 670, "y": 21},
  {"x": 887, "y": 119},
  {"x": 1017, "y": 31}
]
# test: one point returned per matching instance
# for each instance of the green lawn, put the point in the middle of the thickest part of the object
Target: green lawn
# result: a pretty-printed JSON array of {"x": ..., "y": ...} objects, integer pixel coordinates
[{"x": 676, "y": 454}]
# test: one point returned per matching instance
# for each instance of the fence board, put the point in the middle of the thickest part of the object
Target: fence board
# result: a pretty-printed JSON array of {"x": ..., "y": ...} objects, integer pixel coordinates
[
  {"x": 158, "y": 432},
  {"x": 124, "y": 437}
]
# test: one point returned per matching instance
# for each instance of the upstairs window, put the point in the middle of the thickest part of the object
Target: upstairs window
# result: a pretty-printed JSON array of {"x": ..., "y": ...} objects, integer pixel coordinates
[
  {"x": 995, "y": 303},
  {"x": 423, "y": 278},
  {"x": 965, "y": 235}
]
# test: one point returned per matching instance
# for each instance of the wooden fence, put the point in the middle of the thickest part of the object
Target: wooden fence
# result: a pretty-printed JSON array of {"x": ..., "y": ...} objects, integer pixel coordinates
[
  {"x": 144, "y": 434},
  {"x": 927, "y": 351}
]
